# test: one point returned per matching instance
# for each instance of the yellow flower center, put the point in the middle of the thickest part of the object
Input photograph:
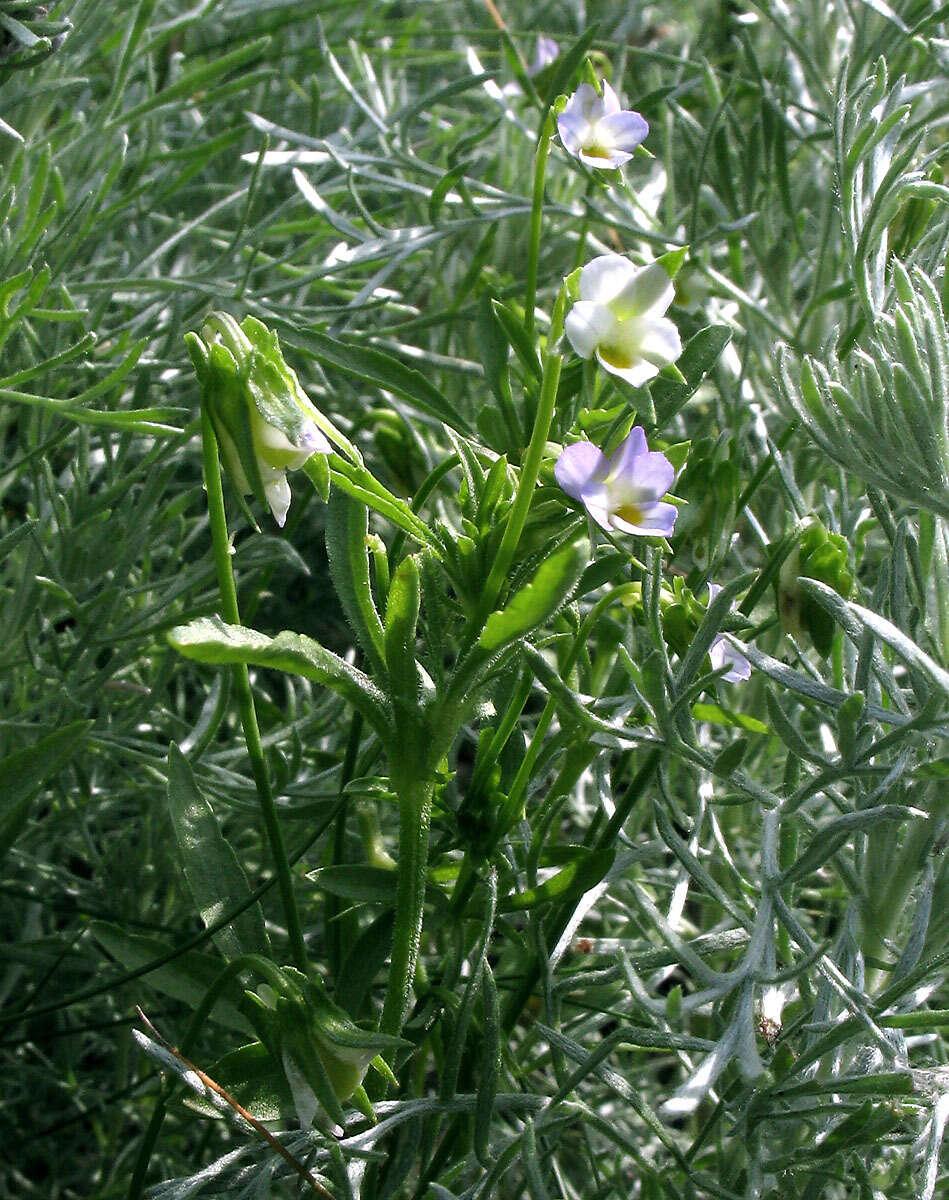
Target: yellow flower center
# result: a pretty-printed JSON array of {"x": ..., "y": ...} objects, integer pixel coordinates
[
  {"x": 615, "y": 356},
  {"x": 629, "y": 513}
]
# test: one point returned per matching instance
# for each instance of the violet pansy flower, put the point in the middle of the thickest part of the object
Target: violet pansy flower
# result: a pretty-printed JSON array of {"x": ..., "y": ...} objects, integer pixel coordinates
[
  {"x": 724, "y": 654},
  {"x": 622, "y": 493},
  {"x": 620, "y": 318},
  {"x": 597, "y": 130}
]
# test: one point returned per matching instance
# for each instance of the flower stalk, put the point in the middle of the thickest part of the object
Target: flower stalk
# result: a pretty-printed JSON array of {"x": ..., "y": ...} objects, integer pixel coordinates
[{"x": 245, "y": 696}]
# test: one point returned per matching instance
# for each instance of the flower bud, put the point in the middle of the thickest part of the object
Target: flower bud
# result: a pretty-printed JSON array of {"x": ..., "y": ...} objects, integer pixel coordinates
[
  {"x": 823, "y": 556},
  {"x": 265, "y": 423}
]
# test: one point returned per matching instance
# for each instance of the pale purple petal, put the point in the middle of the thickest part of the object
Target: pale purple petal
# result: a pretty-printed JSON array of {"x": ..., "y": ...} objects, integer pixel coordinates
[
  {"x": 587, "y": 324},
  {"x": 623, "y": 130},
  {"x": 599, "y": 514},
  {"x": 578, "y": 466},
  {"x": 584, "y": 101},
  {"x": 636, "y": 374},
  {"x": 574, "y": 129},
  {"x": 646, "y": 292},
  {"x": 314, "y": 440},
  {"x": 723, "y": 653},
  {"x": 605, "y": 277},
  {"x": 545, "y": 53},
  {"x": 713, "y": 590},
  {"x": 659, "y": 342},
  {"x": 610, "y": 102},
  {"x": 623, "y": 460},
  {"x": 652, "y": 475},
  {"x": 658, "y": 520}
]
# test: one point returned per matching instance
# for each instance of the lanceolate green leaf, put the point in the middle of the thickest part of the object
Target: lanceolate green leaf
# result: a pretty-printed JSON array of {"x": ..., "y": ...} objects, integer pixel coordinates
[
  {"x": 571, "y": 883},
  {"x": 402, "y": 611},
  {"x": 214, "y": 875},
  {"x": 210, "y": 640},
  {"x": 23, "y": 772},
  {"x": 187, "y": 978},
  {"x": 855, "y": 618},
  {"x": 699, "y": 356},
  {"x": 386, "y": 372},
  {"x": 539, "y": 599}
]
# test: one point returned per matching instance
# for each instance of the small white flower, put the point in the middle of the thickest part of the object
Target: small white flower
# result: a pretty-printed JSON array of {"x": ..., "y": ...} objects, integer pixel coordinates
[
  {"x": 619, "y": 318},
  {"x": 597, "y": 131}
]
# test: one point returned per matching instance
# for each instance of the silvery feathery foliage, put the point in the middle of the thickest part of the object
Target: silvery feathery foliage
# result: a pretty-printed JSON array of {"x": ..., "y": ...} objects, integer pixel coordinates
[
  {"x": 884, "y": 413},
  {"x": 883, "y": 410}
]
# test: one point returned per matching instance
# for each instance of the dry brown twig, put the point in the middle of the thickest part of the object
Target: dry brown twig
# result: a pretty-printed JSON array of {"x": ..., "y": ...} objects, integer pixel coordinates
[{"x": 256, "y": 1125}]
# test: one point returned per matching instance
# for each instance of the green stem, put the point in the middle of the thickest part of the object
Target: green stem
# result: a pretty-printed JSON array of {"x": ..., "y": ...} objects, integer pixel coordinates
[
  {"x": 245, "y": 696},
  {"x": 529, "y": 472},
  {"x": 537, "y": 214},
  {"x": 415, "y": 789}
]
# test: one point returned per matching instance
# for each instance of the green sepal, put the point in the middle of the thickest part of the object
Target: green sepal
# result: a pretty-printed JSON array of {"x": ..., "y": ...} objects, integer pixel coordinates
[
  {"x": 402, "y": 612},
  {"x": 297, "y": 1042}
]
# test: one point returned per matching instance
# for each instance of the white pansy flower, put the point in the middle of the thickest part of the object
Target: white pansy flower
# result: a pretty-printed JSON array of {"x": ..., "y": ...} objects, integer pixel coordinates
[{"x": 620, "y": 318}]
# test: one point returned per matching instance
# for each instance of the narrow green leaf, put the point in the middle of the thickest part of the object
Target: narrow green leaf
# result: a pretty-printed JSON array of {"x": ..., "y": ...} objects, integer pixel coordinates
[
  {"x": 854, "y": 618},
  {"x": 22, "y": 775},
  {"x": 186, "y": 978},
  {"x": 387, "y": 372},
  {"x": 256, "y": 1082},
  {"x": 210, "y": 640},
  {"x": 214, "y": 875},
  {"x": 347, "y": 528},
  {"x": 701, "y": 353},
  {"x": 402, "y": 611},
  {"x": 574, "y": 881},
  {"x": 356, "y": 881}
]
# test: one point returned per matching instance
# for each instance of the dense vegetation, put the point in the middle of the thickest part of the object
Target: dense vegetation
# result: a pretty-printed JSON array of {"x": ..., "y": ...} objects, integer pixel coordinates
[{"x": 615, "y": 920}]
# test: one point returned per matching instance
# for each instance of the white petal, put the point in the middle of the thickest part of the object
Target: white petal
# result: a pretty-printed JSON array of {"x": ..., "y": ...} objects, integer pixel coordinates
[
  {"x": 657, "y": 520},
  {"x": 659, "y": 342},
  {"x": 609, "y": 160},
  {"x": 604, "y": 278},
  {"x": 648, "y": 292},
  {"x": 588, "y": 324},
  {"x": 635, "y": 374},
  {"x": 277, "y": 491}
]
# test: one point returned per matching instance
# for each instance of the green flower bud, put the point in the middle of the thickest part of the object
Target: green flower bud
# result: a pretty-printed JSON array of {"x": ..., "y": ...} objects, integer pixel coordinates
[
  {"x": 313, "y": 1024},
  {"x": 823, "y": 556},
  {"x": 265, "y": 423}
]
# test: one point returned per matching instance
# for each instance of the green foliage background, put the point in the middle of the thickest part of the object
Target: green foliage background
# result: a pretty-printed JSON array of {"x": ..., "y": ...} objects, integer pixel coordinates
[{"x": 803, "y": 153}]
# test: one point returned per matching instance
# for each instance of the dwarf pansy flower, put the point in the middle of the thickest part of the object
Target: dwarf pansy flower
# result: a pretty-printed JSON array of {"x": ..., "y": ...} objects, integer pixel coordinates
[
  {"x": 724, "y": 654},
  {"x": 620, "y": 318},
  {"x": 545, "y": 52},
  {"x": 622, "y": 493},
  {"x": 264, "y": 422},
  {"x": 597, "y": 130}
]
